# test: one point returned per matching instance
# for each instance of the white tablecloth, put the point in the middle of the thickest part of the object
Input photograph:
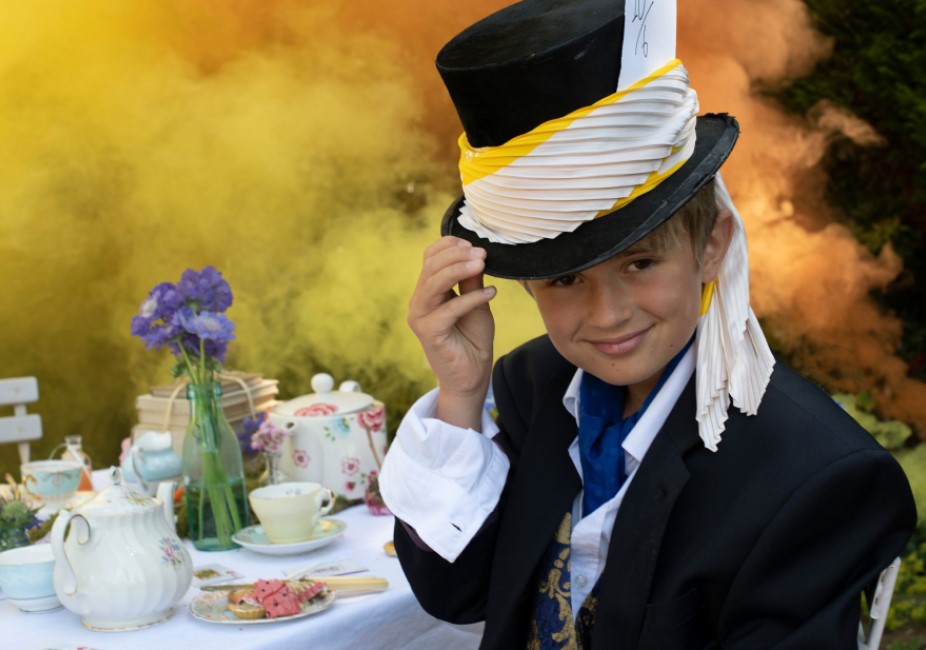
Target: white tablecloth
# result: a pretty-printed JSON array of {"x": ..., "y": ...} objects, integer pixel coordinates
[{"x": 386, "y": 620}]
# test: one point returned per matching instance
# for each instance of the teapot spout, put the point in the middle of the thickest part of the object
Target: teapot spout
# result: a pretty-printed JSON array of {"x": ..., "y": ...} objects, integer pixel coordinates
[{"x": 166, "y": 495}]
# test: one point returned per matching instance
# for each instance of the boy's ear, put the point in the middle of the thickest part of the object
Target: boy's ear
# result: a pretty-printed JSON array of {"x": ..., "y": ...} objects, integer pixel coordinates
[{"x": 715, "y": 249}]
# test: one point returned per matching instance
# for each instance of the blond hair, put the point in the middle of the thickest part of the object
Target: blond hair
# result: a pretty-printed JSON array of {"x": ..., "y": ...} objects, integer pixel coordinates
[{"x": 695, "y": 219}]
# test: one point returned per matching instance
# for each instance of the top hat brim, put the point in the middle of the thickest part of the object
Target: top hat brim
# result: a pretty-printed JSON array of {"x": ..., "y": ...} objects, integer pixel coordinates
[{"x": 600, "y": 239}]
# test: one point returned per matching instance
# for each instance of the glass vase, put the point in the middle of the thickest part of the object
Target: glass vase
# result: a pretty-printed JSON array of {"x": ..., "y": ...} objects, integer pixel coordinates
[
  {"x": 213, "y": 471},
  {"x": 273, "y": 472}
]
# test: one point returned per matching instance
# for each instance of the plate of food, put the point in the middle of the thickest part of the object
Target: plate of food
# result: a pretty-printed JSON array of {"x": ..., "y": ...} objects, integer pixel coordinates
[{"x": 265, "y": 601}]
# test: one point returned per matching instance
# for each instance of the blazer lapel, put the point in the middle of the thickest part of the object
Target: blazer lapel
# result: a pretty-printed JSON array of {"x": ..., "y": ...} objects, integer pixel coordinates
[
  {"x": 639, "y": 527},
  {"x": 542, "y": 491}
]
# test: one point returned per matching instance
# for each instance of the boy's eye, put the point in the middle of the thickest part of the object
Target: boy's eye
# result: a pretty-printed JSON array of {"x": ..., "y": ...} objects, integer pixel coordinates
[
  {"x": 641, "y": 264},
  {"x": 564, "y": 280}
]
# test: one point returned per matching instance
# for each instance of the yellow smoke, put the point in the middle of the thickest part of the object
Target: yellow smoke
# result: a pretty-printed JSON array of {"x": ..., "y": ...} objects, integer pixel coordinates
[
  {"x": 307, "y": 150},
  {"x": 267, "y": 138}
]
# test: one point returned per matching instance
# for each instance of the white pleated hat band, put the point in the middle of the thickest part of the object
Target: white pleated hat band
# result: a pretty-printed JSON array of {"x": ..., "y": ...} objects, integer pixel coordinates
[
  {"x": 734, "y": 359},
  {"x": 584, "y": 165}
]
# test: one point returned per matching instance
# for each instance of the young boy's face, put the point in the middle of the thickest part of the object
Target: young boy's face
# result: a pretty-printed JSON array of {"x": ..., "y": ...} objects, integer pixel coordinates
[{"x": 624, "y": 319}]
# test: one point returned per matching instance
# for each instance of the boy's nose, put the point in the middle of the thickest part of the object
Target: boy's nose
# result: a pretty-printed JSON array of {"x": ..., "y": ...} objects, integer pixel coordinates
[{"x": 608, "y": 306}]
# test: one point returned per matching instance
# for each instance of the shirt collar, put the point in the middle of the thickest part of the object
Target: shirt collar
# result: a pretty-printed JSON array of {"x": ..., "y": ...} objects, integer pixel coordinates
[{"x": 642, "y": 435}]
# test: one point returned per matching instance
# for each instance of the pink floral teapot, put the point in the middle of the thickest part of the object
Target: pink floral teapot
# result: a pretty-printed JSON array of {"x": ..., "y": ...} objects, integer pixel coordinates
[{"x": 338, "y": 437}]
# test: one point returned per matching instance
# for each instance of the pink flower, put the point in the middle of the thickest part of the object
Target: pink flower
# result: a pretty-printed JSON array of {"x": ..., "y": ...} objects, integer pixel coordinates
[
  {"x": 301, "y": 458},
  {"x": 373, "y": 418},
  {"x": 350, "y": 485},
  {"x": 269, "y": 437},
  {"x": 350, "y": 465},
  {"x": 319, "y": 408}
]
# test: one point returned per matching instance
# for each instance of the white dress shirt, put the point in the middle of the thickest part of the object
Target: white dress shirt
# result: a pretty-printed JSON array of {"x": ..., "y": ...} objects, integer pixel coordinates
[{"x": 445, "y": 481}]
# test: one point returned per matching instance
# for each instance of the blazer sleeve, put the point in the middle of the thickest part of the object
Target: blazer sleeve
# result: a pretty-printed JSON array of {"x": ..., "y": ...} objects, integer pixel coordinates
[
  {"x": 800, "y": 584},
  {"x": 458, "y": 591}
]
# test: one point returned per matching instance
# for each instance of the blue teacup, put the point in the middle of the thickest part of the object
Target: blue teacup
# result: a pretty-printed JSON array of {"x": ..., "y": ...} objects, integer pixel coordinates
[
  {"x": 26, "y": 577},
  {"x": 51, "y": 482}
]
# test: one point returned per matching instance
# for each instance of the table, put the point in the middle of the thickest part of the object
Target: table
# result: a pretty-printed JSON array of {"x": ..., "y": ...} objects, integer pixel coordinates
[{"x": 381, "y": 621}]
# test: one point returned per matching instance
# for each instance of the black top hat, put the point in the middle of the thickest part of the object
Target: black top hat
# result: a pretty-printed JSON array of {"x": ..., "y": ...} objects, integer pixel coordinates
[{"x": 539, "y": 60}]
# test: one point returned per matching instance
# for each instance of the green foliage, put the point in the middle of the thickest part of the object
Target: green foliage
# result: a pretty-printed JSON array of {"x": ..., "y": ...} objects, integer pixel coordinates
[
  {"x": 878, "y": 72},
  {"x": 38, "y": 532},
  {"x": 909, "y": 602},
  {"x": 908, "y": 605},
  {"x": 913, "y": 462},
  {"x": 891, "y": 435},
  {"x": 15, "y": 517},
  {"x": 15, "y": 514},
  {"x": 912, "y": 644}
]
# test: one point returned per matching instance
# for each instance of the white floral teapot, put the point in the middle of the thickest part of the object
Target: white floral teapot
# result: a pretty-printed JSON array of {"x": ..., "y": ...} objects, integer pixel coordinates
[
  {"x": 338, "y": 437},
  {"x": 119, "y": 564}
]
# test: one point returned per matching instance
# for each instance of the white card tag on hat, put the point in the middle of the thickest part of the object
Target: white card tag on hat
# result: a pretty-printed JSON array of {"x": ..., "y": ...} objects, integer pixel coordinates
[{"x": 649, "y": 39}]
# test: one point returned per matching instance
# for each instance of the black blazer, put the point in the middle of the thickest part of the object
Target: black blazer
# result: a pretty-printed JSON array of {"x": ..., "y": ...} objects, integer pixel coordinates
[{"x": 767, "y": 543}]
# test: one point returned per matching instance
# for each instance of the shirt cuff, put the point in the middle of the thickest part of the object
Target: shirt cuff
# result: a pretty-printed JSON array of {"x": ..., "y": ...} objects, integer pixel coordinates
[{"x": 442, "y": 480}]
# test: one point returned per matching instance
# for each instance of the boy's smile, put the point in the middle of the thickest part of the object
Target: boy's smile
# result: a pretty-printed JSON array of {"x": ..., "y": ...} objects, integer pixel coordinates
[{"x": 624, "y": 319}]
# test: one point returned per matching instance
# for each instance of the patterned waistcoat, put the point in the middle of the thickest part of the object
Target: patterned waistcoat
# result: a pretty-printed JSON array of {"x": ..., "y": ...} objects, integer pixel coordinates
[{"x": 552, "y": 624}]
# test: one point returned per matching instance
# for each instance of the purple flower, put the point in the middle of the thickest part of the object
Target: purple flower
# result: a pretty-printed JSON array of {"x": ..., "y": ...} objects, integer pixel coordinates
[
  {"x": 249, "y": 427},
  {"x": 154, "y": 322},
  {"x": 207, "y": 325},
  {"x": 207, "y": 289},
  {"x": 216, "y": 350},
  {"x": 187, "y": 318}
]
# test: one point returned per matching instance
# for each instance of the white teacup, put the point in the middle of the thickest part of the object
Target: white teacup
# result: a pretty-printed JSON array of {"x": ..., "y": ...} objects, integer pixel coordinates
[{"x": 288, "y": 511}]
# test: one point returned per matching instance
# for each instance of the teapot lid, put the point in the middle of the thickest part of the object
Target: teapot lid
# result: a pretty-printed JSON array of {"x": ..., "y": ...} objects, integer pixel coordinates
[
  {"x": 117, "y": 499},
  {"x": 326, "y": 401}
]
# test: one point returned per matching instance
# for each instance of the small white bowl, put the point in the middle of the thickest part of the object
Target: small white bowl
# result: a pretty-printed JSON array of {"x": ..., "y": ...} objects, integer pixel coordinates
[{"x": 26, "y": 577}]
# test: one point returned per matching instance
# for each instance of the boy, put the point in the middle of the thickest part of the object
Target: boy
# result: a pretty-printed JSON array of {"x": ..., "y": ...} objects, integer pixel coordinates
[{"x": 602, "y": 510}]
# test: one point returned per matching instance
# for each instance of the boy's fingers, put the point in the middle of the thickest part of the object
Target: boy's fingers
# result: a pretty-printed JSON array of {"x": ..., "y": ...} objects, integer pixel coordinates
[
  {"x": 436, "y": 287},
  {"x": 444, "y": 251},
  {"x": 442, "y": 319},
  {"x": 442, "y": 244},
  {"x": 474, "y": 283}
]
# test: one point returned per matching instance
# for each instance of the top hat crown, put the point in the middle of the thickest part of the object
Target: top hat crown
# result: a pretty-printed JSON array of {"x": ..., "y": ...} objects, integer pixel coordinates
[
  {"x": 542, "y": 60},
  {"x": 532, "y": 62}
]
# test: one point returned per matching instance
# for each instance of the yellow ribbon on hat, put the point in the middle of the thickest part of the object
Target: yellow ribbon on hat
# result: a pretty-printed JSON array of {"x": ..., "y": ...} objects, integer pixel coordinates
[
  {"x": 707, "y": 292},
  {"x": 478, "y": 162}
]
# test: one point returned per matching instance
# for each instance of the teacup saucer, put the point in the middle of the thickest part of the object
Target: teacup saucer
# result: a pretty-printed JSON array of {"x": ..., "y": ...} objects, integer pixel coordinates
[{"x": 254, "y": 539}]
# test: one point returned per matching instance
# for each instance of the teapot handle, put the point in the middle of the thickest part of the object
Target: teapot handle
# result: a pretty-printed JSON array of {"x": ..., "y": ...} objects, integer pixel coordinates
[
  {"x": 166, "y": 495},
  {"x": 82, "y": 530}
]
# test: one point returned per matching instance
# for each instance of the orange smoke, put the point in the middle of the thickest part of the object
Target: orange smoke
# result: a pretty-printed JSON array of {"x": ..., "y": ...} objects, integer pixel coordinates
[{"x": 810, "y": 279}]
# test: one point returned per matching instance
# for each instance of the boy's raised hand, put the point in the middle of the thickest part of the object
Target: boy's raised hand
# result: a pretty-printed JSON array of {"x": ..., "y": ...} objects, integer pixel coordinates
[{"x": 455, "y": 330}]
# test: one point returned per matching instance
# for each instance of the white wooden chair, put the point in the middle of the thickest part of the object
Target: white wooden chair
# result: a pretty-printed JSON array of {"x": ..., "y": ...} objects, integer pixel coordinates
[
  {"x": 21, "y": 427},
  {"x": 878, "y": 606}
]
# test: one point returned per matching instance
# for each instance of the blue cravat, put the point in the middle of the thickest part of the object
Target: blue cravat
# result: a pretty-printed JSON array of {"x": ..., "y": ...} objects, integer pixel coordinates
[{"x": 602, "y": 431}]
